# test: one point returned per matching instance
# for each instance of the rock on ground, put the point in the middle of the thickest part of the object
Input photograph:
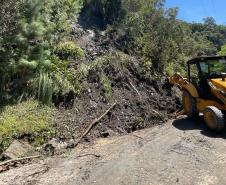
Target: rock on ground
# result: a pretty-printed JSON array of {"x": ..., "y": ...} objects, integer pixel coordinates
[
  {"x": 19, "y": 149},
  {"x": 181, "y": 152}
]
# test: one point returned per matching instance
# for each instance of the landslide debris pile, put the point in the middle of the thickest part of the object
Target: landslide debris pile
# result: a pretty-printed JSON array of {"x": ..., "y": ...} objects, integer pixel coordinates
[
  {"x": 106, "y": 76},
  {"x": 109, "y": 76}
]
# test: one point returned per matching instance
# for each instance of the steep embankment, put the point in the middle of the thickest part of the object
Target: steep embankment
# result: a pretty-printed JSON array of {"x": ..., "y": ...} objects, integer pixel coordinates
[
  {"x": 108, "y": 76},
  {"x": 103, "y": 77},
  {"x": 182, "y": 152}
]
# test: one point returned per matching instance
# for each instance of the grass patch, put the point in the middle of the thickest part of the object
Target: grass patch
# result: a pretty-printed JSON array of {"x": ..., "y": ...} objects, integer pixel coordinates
[{"x": 26, "y": 118}]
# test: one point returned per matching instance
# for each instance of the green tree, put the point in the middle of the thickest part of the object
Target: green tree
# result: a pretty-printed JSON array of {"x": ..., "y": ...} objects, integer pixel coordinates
[
  {"x": 153, "y": 31},
  {"x": 155, "y": 35},
  {"x": 100, "y": 13},
  {"x": 214, "y": 33},
  {"x": 223, "y": 50},
  {"x": 31, "y": 31}
]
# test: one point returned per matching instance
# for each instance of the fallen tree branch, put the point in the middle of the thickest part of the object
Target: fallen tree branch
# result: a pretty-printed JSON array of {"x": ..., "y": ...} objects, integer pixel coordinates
[
  {"x": 94, "y": 122},
  {"x": 19, "y": 159},
  {"x": 134, "y": 88},
  {"x": 84, "y": 155},
  {"x": 155, "y": 112},
  {"x": 137, "y": 136},
  {"x": 121, "y": 130},
  {"x": 179, "y": 113},
  {"x": 159, "y": 114}
]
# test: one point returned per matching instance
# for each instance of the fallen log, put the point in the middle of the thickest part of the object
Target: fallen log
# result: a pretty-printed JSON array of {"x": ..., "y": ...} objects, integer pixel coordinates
[
  {"x": 18, "y": 160},
  {"x": 93, "y": 123}
]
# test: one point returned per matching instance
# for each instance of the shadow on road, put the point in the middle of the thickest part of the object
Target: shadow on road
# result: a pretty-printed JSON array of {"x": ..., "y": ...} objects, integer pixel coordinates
[{"x": 197, "y": 124}]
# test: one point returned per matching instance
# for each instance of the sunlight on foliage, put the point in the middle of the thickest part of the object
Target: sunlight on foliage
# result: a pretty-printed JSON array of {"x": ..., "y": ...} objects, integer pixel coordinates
[
  {"x": 223, "y": 50},
  {"x": 69, "y": 50},
  {"x": 26, "y": 118}
]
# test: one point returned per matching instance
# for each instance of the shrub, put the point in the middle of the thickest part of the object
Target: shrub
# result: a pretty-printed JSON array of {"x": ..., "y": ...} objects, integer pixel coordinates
[
  {"x": 69, "y": 50},
  {"x": 30, "y": 30},
  {"x": 223, "y": 50},
  {"x": 26, "y": 118}
]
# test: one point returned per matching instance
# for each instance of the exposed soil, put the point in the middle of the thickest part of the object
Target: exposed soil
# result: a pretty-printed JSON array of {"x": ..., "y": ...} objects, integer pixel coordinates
[
  {"x": 153, "y": 104},
  {"x": 143, "y": 100},
  {"x": 183, "y": 152}
]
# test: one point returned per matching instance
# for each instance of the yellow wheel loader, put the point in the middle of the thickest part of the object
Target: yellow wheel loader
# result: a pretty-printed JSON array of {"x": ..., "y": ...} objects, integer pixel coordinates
[{"x": 204, "y": 91}]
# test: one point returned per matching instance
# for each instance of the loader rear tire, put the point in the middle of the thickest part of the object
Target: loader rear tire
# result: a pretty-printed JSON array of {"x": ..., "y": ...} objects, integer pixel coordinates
[
  {"x": 214, "y": 118},
  {"x": 189, "y": 104}
]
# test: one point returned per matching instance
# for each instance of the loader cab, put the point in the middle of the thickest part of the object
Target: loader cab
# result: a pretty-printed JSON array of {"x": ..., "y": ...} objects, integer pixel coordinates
[{"x": 203, "y": 68}]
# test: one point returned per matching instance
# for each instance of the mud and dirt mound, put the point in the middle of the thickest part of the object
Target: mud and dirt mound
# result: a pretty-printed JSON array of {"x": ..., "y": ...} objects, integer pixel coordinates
[{"x": 142, "y": 100}]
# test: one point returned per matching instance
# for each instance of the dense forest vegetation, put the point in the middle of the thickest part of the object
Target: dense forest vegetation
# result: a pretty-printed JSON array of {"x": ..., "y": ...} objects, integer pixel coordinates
[
  {"x": 40, "y": 59},
  {"x": 36, "y": 44}
]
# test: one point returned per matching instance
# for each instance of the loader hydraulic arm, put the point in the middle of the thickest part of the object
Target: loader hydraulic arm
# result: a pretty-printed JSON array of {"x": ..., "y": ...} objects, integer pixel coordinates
[{"x": 178, "y": 81}]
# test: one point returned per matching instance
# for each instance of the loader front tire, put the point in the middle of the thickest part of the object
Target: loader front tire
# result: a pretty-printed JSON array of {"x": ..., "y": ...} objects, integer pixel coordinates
[
  {"x": 189, "y": 104},
  {"x": 214, "y": 118}
]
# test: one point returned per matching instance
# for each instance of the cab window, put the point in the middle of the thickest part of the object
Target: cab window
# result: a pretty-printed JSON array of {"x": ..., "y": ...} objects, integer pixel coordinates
[
  {"x": 213, "y": 68},
  {"x": 194, "y": 73}
]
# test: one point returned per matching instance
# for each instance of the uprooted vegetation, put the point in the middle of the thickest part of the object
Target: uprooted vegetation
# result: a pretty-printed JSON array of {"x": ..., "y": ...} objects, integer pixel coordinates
[
  {"x": 141, "y": 99},
  {"x": 73, "y": 72}
]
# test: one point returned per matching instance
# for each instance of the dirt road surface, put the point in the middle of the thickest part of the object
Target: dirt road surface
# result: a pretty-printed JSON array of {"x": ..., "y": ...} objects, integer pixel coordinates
[{"x": 179, "y": 152}]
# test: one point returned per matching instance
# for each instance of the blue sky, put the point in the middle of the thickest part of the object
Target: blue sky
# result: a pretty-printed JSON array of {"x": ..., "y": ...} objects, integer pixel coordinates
[{"x": 196, "y": 10}]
